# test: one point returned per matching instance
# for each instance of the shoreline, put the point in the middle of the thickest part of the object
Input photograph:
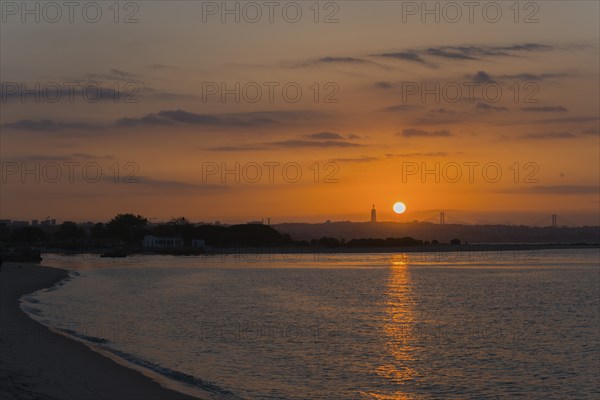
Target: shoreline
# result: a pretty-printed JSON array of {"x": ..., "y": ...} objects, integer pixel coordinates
[
  {"x": 37, "y": 363},
  {"x": 307, "y": 250}
]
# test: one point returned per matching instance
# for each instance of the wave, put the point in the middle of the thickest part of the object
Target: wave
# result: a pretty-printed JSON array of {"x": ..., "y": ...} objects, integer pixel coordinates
[
  {"x": 92, "y": 339},
  {"x": 31, "y": 310},
  {"x": 32, "y": 297},
  {"x": 177, "y": 376}
]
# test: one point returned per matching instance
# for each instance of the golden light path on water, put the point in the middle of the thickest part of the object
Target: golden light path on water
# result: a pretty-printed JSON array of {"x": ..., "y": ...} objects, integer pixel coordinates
[{"x": 397, "y": 330}]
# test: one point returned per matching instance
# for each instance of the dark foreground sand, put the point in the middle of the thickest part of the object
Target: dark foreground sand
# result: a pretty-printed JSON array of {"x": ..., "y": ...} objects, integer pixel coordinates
[{"x": 36, "y": 363}]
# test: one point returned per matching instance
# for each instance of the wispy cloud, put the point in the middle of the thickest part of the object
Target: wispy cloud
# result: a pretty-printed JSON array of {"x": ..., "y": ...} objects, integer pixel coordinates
[
  {"x": 464, "y": 53},
  {"x": 525, "y": 76},
  {"x": 363, "y": 159},
  {"x": 591, "y": 132},
  {"x": 400, "y": 108},
  {"x": 483, "y": 77},
  {"x": 162, "y": 66},
  {"x": 544, "y": 109},
  {"x": 171, "y": 119},
  {"x": 549, "y": 135},
  {"x": 417, "y": 154},
  {"x": 59, "y": 158},
  {"x": 114, "y": 75},
  {"x": 556, "y": 190},
  {"x": 404, "y": 55},
  {"x": 421, "y": 133},
  {"x": 383, "y": 85},
  {"x": 313, "y": 140},
  {"x": 47, "y": 125},
  {"x": 185, "y": 118},
  {"x": 325, "y": 136},
  {"x": 487, "y": 107},
  {"x": 334, "y": 61},
  {"x": 313, "y": 143}
]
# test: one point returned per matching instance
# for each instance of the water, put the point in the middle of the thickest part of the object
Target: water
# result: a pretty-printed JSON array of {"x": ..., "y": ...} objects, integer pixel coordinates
[{"x": 356, "y": 326}]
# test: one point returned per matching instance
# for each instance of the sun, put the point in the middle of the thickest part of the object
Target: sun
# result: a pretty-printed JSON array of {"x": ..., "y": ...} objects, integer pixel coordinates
[{"x": 399, "y": 207}]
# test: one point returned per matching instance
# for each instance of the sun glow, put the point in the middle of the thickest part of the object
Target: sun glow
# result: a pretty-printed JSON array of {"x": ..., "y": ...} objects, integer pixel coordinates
[{"x": 399, "y": 207}]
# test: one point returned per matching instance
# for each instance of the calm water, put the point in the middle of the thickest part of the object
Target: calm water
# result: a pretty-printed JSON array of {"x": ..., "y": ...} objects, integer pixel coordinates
[{"x": 372, "y": 326}]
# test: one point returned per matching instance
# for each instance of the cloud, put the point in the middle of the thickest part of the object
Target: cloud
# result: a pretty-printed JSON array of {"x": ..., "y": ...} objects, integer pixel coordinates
[
  {"x": 532, "y": 77},
  {"x": 564, "y": 120},
  {"x": 335, "y": 60},
  {"x": 325, "y": 136},
  {"x": 47, "y": 125},
  {"x": 190, "y": 118},
  {"x": 147, "y": 120},
  {"x": 544, "y": 109},
  {"x": 162, "y": 66},
  {"x": 185, "y": 118},
  {"x": 404, "y": 55},
  {"x": 313, "y": 140},
  {"x": 549, "y": 135},
  {"x": 383, "y": 85},
  {"x": 313, "y": 144},
  {"x": 568, "y": 120},
  {"x": 467, "y": 53},
  {"x": 476, "y": 52},
  {"x": 343, "y": 60},
  {"x": 483, "y": 77},
  {"x": 592, "y": 132},
  {"x": 362, "y": 159},
  {"x": 400, "y": 108},
  {"x": 249, "y": 147},
  {"x": 557, "y": 190},
  {"x": 422, "y": 133},
  {"x": 172, "y": 119},
  {"x": 113, "y": 74},
  {"x": 487, "y": 107},
  {"x": 417, "y": 154},
  {"x": 61, "y": 158},
  {"x": 420, "y": 56},
  {"x": 441, "y": 110},
  {"x": 449, "y": 52}
]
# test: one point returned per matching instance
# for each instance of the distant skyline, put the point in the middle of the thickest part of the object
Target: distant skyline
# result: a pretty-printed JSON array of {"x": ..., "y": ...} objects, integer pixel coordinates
[{"x": 489, "y": 122}]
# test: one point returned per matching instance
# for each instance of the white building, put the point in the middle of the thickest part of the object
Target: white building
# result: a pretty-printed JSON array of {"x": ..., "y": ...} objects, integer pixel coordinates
[
  {"x": 162, "y": 241},
  {"x": 198, "y": 243}
]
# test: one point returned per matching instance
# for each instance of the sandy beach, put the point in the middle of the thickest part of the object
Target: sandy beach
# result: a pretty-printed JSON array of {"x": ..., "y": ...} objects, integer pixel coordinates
[{"x": 36, "y": 363}]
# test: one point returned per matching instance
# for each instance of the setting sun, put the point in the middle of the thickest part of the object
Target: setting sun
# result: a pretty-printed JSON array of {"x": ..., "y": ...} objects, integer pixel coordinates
[{"x": 399, "y": 207}]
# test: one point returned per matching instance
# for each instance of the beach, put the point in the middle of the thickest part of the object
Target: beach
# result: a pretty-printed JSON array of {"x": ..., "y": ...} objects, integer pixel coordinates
[{"x": 36, "y": 363}]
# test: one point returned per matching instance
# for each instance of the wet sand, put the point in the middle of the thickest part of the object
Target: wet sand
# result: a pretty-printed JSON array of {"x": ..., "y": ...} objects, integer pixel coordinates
[{"x": 36, "y": 363}]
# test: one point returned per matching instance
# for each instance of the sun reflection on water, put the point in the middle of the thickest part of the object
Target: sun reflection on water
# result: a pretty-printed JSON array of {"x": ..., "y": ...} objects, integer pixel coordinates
[{"x": 397, "y": 333}]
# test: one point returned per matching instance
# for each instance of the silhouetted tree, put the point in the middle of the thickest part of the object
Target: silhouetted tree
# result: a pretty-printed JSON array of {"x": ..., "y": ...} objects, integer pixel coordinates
[
  {"x": 28, "y": 234},
  {"x": 98, "y": 231},
  {"x": 70, "y": 231},
  {"x": 4, "y": 232},
  {"x": 329, "y": 242},
  {"x": 455, "y": 241},
  {"x": 179, "y": 221},
  {"x": 128, "y": 228}
]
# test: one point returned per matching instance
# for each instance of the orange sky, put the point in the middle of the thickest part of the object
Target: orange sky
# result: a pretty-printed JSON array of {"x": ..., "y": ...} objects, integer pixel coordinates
[{"x": 362, "y": 101}]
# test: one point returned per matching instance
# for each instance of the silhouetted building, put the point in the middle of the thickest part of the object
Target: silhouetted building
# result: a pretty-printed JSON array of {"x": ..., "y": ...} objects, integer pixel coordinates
[
  {"x": 162, "y": 241},
  {"x": 198, "y": 243},
  {"x": 373, "y": 214},
  {"x": 48, "y": 222},
  {"x": 19, "y": 224}
]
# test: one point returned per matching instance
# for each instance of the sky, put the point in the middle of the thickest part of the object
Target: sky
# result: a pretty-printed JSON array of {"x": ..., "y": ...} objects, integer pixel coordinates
[{"x": 300, "y": 111}]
